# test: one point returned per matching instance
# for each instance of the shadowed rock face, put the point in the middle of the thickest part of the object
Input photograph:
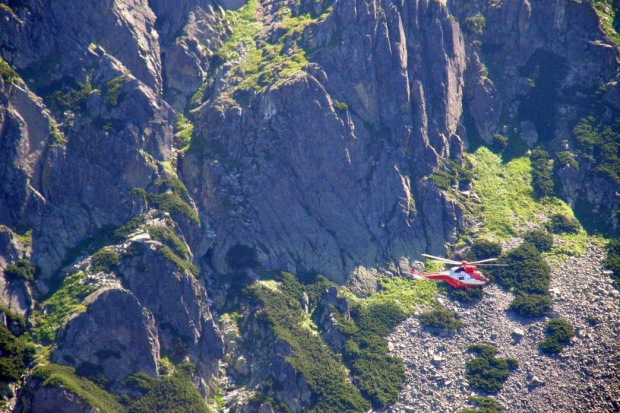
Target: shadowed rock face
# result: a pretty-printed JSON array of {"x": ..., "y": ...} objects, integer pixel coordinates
[
  {"x": 179, "y": 305},
  {"x": 115, "y": 333}
]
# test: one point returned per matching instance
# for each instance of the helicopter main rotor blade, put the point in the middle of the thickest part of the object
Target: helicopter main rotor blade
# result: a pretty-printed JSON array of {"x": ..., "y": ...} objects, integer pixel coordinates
[
  {"x": 495, "y": 265},
  {"x": 481, "y": 261},
  {"x": 440, "y": 259}
]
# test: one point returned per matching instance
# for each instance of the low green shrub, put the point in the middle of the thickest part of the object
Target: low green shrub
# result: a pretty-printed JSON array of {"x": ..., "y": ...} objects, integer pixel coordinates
[
  {"x": 465, "y": 295},
  {"x": 168, "y": 254},
  {"x": 21, "y": 269},
  {"x": 175, "y": 185},
  {"x": 598, "y": 142},
  {"x": 440, "y": 318},
  {"x": 64, "y": 302},
  {"x": 498, "y": 142},
  {"x": 341, "y": 105},
  {"x": 486, "y": 372},
  {"x": 168, "y": 202},
  {"x": 558, "y": 333},
  {"x": 6, "y": 72},
  {"x": 542, "y": 173},
  {"x": 475, "y": 24},
  {"x": 612, "y": 260},
  {"x": 92, "y": 372},
  {"x": 127, "y": 228},
  {"x": 167, "y": 236},
  {"x": 174, "y": 393},
  {"x": 139, "y": 382},
  {"x": 378, "y": 377},
  {"x": 112, "y": 90},
  {"x": 483, "y": 405},
  {"x": 56, "y": 375},
  {"x": 526, "y": 272},
  {"x": 560, "y": 224},
  {"x": 530, "y": 305},
  {"x": 564, "y": 158},
  {"x": 542, "y": 240},
  {"x": 324, "y": 373},
  {"x": 14, "y": 319},
  {"x": 15, "y": 356},
  {"x": 482, "y": 249},
  {"x": 451, "y": 174},
  {"x": 183, "y": 130},
  {"x": 104, "y": 260},
  {"x": 74, "y": 98}
]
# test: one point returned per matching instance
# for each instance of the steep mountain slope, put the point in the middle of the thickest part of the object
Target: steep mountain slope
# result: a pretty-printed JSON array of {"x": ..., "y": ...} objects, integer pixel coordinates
[{"x": 161, "y": 162}]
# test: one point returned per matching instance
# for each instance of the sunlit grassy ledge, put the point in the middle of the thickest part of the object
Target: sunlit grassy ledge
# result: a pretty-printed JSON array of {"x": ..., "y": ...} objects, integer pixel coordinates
[{"x": 508, "y": 204}]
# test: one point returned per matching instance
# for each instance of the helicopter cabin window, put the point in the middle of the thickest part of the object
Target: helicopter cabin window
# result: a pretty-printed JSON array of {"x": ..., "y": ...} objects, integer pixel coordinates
[{"x": 461, "y": 278}]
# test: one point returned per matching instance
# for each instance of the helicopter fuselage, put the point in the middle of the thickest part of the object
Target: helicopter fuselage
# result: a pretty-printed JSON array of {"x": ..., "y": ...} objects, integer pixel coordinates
[{"x": 462, "y": 276}]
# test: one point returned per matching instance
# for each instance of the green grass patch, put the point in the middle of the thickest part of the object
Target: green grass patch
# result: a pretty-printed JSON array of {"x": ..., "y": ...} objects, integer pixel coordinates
[
  {"x": 509, "y": 205},
  {"x": 341, "y": 105},
  {"x": 262, "y": 63},
  {"x": 245, "y": 29},
  {"x": 58, "y": 138},
  {"x": 64, "y": 302},
  {"x": 54, "y": 375},
  {"x": 198, "y": 97},
  {"x": 406, "y": 293}
]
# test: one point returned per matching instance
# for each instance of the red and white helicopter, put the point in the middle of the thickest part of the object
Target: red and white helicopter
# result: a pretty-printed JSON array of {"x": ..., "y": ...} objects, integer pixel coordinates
[{"x": 463, "y": 276}]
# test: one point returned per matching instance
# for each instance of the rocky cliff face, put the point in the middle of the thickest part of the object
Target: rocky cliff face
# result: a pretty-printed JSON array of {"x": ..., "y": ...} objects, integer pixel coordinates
[
  {"x": 325, "y": 169},
  {"x": 534, "y": 71},
  {"x": 301, "y": 136}
]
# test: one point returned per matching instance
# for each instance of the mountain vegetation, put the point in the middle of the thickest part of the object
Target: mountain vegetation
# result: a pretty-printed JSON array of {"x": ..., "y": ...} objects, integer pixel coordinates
[{"x": 215, "y": 206}]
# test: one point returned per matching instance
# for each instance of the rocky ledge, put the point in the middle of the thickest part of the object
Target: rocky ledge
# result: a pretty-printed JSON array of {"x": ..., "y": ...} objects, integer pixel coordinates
[{"x": 584, "y": 377}]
